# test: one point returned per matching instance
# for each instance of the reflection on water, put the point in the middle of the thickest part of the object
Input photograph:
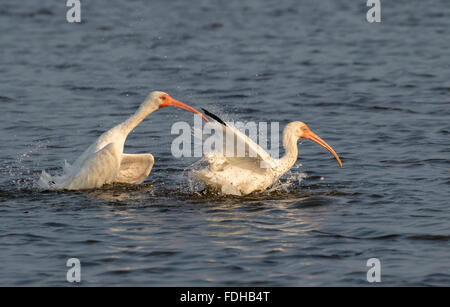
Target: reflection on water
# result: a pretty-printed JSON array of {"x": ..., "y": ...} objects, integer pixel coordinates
[{"x": 122, "y": 193}]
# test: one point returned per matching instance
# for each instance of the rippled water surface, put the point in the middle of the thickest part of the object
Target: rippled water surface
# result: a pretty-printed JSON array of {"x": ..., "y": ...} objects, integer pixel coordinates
[{"x": 378, "y": 93}]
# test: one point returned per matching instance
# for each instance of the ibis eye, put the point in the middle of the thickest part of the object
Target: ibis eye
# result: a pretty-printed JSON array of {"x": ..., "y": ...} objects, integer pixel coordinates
[
  {"x": 304, "y": 129},
  {"x": 163, "y": 97}
]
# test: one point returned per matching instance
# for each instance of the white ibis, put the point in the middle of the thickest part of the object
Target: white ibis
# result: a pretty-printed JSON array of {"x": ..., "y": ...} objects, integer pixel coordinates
[
  {"x": 104, "y": 161},
  {"x": 256, "y": 170}
]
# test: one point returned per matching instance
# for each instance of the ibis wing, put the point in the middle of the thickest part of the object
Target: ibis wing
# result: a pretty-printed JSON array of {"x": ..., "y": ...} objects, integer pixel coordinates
[
  {"x": 134, "y": 168},
  {"x": 99, "y": 169},
  {"x": 243, "y": 147}
]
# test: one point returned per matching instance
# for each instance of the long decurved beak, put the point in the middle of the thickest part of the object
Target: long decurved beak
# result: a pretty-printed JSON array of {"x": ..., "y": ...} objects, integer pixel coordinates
[
  {"x": 170, "y": 102},
  {"x": 314, "y": 137}
]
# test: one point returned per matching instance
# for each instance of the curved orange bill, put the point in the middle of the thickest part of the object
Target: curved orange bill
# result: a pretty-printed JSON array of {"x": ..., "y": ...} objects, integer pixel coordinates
[
  {"x": 170, "y": 102},
  {"x": 314, "y": 137}
]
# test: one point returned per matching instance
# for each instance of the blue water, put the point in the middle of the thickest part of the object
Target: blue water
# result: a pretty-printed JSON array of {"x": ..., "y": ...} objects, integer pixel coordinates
[{"x": 378, "y": 93}]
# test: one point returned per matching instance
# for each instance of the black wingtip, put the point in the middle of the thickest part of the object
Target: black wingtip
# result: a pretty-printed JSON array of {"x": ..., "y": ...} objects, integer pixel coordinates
[{"x": 215, "y": 117}]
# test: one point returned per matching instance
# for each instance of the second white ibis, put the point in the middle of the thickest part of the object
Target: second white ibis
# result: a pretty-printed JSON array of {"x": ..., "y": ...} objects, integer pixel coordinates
[{"x": 257, "y": 170}]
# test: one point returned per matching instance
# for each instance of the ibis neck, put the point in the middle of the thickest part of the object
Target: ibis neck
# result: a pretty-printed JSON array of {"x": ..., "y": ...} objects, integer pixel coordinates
[
  {"x": 291, "y": 152},
  {"x": 136, "y": 119}
]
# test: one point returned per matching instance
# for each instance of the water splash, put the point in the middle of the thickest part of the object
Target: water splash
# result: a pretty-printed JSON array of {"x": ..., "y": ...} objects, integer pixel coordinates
[
  {"x": 288, "y": 182},
  {"x": 21, "y": 171}
]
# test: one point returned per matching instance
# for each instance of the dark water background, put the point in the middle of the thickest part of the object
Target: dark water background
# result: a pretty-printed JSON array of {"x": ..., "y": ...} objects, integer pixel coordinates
[{"x": 378, "y": 93}]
